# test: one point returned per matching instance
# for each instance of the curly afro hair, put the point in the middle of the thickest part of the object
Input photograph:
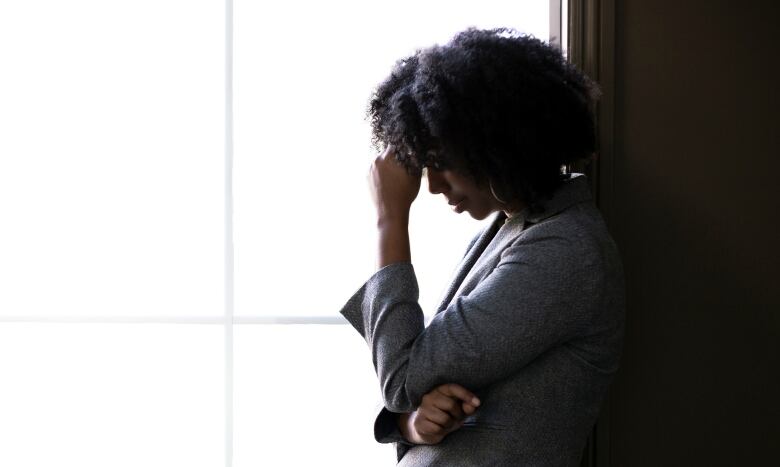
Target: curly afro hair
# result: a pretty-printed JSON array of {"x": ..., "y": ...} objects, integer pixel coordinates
[{"x": 500, "y": 107}]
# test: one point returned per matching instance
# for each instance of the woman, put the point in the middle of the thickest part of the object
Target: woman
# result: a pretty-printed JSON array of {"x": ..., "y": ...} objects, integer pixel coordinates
[{"x": 514, "y": 365}]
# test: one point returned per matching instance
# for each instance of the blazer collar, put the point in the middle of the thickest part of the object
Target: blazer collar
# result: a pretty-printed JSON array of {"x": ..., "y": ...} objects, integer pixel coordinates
[
  {"x": 573, "y": 191},
  {"x": 475, "y": 250}
]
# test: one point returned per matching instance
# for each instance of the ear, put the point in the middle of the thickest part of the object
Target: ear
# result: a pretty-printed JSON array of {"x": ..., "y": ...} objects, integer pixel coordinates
[{"x": 497, "y": 196}]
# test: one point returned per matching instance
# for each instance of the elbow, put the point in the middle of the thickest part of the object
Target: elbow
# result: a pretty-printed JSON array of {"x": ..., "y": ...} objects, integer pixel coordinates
[{"x": 395, "y": 394}]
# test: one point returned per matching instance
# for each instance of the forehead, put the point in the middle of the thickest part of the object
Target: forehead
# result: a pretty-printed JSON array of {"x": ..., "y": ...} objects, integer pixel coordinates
[
  {"x": 441, "y": 158},
  {"x": 453, "y": 177}
]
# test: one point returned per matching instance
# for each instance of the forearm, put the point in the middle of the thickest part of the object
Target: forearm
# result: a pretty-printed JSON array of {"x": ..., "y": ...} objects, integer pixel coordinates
[
  {"x": 386, "y": 313},
  {"x": 393, "y": 241}
]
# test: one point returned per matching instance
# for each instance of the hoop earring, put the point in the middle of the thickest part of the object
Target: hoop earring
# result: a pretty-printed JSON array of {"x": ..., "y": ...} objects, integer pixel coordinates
[{"x": 493, "y": 192}]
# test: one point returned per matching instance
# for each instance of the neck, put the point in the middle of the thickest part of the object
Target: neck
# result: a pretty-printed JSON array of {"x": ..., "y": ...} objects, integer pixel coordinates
[{"x": 513, "y": 209}]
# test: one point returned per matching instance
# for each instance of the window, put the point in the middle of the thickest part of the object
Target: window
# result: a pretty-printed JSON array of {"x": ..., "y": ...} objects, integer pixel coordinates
[{"x": 170, "y": 296}]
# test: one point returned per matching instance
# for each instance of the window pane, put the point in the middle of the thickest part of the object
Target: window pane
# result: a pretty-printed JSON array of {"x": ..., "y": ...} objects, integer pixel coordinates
[
  {"x": 304, "y": 73},
  {"x": 111, "y": 157},
  {"x": 96, "y": 395},
  {"x": 305, "y": 395}
]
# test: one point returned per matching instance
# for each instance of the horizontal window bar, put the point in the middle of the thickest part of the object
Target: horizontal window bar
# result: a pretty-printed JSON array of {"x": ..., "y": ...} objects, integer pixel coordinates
[{"x": 295, "y": 319}]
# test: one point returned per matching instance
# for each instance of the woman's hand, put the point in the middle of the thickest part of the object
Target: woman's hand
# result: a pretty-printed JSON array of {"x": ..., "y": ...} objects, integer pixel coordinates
[
  {"x": 393, "y": 188},
  {"x": 441, "y": 412}
]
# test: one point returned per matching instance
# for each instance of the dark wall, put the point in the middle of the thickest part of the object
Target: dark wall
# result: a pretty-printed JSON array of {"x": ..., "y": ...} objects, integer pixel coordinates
[{"x": 695, "y": 212}]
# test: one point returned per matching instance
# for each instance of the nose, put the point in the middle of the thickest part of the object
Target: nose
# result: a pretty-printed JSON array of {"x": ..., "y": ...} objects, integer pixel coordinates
[{"x": 436, "y": 182}]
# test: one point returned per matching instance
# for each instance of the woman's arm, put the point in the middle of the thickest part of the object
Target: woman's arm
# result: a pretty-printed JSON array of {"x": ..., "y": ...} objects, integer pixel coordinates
[
  {"x": 393, "y": 190},
  {"x": 540, "y": 295}
]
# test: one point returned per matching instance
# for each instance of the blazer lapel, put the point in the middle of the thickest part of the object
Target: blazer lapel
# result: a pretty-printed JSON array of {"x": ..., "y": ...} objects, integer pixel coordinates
[
  {"x": 471, "y": 257},
  {"x": 574, "y": 191}
]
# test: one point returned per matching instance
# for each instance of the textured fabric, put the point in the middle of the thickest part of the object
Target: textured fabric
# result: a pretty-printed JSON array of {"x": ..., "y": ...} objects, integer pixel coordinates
[{"x": 532, "y": 323}]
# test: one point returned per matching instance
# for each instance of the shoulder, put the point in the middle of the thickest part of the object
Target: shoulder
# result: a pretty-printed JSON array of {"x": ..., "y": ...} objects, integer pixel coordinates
[
  {"x": 576, "y": 236},
  {"x": 569, "y": 220}
]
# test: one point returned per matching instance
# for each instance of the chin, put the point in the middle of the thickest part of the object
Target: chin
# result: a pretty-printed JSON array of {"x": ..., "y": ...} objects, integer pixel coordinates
[{"x": 478, "y": 215}]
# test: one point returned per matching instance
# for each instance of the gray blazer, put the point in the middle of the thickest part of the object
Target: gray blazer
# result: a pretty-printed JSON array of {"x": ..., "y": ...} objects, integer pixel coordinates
[{"x": 532, "y": 323}]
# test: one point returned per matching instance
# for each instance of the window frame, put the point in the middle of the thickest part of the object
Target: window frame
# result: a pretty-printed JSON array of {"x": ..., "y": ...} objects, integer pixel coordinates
[{"x": 229, "y": 319}]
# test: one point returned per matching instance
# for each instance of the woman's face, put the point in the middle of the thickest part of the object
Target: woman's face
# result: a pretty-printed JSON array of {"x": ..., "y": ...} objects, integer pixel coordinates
[{"x": 462, "y": 193}]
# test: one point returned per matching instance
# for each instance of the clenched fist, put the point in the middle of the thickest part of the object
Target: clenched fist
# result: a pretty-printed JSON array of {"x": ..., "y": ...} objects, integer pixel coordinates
[
  {"x": 393, "y": 188},
  {"x": 441, "y": 412}
]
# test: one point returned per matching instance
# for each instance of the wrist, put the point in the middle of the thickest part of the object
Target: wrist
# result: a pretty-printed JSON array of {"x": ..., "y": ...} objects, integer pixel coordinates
[
  {"x": 393, "y": 236},
  {"x": 404, "y": 426},
  {"x": 392, "y": 221}
]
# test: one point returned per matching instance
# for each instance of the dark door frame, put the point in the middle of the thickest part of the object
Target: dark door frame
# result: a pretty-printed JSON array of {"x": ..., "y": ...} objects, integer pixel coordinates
[{"x": 591, "y": 46}]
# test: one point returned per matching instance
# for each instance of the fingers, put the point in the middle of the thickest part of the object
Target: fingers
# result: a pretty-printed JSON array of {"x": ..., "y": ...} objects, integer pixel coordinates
[
  {"x": 388, "y": 152},
  {"x": 459, "y": 392},
  {"x": 426, "y": 431},
  {"x": 431, "y": 424},
  {"x": 427, "y": 427},
  {"x": 450, "y": 405},
  {"x": 439, "y": 417},
  {"x": 468, "y": 409},
  {"x": 387, "y": 156},
  {"x": 442, "y": 411},
  {"x": 388, "y": 159}
]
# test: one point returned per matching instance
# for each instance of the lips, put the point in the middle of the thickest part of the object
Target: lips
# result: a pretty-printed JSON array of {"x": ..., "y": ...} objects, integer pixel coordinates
[{"x": 457, "y": 205}]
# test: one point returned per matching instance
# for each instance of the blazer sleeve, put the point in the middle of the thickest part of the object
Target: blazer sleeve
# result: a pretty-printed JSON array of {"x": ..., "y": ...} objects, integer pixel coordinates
[{"x": 534, "y": 299}]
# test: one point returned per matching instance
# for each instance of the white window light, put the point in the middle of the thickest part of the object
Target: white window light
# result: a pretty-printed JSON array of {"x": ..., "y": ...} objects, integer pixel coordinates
[{"x": 117, "y": 202}]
